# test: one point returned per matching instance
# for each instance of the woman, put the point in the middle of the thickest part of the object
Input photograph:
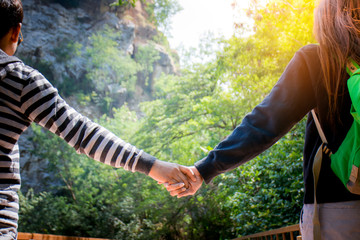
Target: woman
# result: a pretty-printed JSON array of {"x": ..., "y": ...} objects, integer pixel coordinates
[{"x": 314, "y": 79}]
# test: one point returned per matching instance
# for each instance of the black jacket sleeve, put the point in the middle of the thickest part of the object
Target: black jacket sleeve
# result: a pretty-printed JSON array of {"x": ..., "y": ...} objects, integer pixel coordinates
[{"x": 288, "y": 102}]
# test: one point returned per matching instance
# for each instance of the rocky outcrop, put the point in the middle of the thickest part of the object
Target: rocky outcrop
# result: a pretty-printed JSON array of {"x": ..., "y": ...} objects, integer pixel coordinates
[{"x": 48, "y": 28}]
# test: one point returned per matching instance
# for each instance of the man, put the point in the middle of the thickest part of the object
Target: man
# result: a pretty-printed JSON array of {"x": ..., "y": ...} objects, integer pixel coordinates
[{"x": 26, "y": 96}]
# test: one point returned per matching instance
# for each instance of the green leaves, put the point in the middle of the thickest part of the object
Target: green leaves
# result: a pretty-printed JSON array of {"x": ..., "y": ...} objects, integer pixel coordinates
[
  {"x": 161, "y": 11},
  {"x": 124, "y": 3},
  {"x": 109, "y": 67},
  {"x": 267, "y": 192}
]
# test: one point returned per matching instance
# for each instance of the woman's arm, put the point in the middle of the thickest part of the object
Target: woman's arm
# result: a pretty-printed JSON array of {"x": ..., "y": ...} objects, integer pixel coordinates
[{"x": 288, "y": 102}]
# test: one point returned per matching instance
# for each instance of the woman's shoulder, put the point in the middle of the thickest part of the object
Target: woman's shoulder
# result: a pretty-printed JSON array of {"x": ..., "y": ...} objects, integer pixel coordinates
[
  {"x": 310, "y": 51},
  {"x": 309, "y": 55},
  {"x": 313, "y": 47}
]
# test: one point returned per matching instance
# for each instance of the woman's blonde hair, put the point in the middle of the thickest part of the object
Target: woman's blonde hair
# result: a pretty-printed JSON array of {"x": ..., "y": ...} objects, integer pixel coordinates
[{"x": 337, "y": 29}]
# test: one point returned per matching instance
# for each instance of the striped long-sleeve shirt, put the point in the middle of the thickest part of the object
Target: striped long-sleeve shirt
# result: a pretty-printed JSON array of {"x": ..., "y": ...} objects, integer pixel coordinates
[{"x": 25, "y": 97}]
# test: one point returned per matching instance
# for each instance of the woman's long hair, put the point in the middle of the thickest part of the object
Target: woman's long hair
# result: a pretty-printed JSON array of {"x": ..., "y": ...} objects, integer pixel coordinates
[{"x": 337, "y": 29}]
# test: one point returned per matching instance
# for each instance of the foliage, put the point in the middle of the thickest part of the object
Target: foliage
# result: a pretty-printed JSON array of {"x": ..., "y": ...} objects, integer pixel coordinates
[
  {"x": 191, "y": 113},
  {"x": 109, "y": 69},
  {"x": 197, "y": 109},
  {"x": 111, "y": 73},
  {"x": 124, "y": 3},
  {"x": 66, "y": 50},
  {"x": 268, "y": 192},
  {"x": 96, "y": 200},
  {"x": 108, "y": 65},
  {"x": 161, "y": 11},
  {"x": 146, "y": 56}
]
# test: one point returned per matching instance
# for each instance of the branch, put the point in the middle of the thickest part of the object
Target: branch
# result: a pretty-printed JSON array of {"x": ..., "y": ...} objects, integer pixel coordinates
[{"x": 173, "y": 138}]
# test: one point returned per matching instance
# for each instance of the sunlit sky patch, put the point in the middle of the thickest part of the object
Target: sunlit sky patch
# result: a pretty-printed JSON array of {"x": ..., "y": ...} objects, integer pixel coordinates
[{"x": 200, "y": 17}]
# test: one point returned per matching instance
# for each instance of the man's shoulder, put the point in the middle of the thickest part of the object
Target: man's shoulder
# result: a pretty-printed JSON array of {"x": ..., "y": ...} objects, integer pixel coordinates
[
  {"x": 18, "y": 70},
  {"x": 5, "y": 59},
  {"x": 17, "y": 66}
]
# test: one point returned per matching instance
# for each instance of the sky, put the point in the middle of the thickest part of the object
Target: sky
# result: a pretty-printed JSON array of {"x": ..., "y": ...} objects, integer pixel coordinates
[{"x": 199, "y": 17}]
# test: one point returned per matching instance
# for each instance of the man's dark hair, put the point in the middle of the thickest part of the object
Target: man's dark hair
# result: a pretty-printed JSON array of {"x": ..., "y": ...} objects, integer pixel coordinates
[{"x": 11, "y": 14}]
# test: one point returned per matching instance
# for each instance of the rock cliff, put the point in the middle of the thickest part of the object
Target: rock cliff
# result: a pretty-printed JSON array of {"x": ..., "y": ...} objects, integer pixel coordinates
[{"x": 49, "y": 26}]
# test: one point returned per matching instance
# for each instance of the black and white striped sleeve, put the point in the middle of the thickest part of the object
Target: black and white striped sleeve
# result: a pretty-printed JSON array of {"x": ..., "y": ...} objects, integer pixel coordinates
[{"x": 43, "y": 105}]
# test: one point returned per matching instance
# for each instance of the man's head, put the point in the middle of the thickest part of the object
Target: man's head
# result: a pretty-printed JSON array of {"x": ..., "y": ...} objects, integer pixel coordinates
[
  {"x": 11, "y": 14},
  {"x": 11, "y": 17}
]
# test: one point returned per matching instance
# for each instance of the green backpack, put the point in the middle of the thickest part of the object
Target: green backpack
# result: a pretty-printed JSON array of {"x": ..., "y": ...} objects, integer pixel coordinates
[{"x": 345, "y": 161}]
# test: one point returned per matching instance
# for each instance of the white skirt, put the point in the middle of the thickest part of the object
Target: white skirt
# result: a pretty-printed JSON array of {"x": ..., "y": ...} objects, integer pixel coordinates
[{"x": 338, "y": 221}]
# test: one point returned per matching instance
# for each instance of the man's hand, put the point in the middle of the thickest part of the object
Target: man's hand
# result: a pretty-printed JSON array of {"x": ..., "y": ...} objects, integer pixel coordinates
[
  {"x": 193, "y": 185},
  {"x": 173, "y": 175}
]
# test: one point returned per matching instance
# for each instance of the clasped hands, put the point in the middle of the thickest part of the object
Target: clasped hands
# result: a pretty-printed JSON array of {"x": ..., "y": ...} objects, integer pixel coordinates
[{"x": 179, "y": 180}]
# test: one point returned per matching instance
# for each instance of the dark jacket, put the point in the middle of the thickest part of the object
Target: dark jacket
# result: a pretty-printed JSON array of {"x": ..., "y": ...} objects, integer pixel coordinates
[{"x": 299, "y": 89}]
